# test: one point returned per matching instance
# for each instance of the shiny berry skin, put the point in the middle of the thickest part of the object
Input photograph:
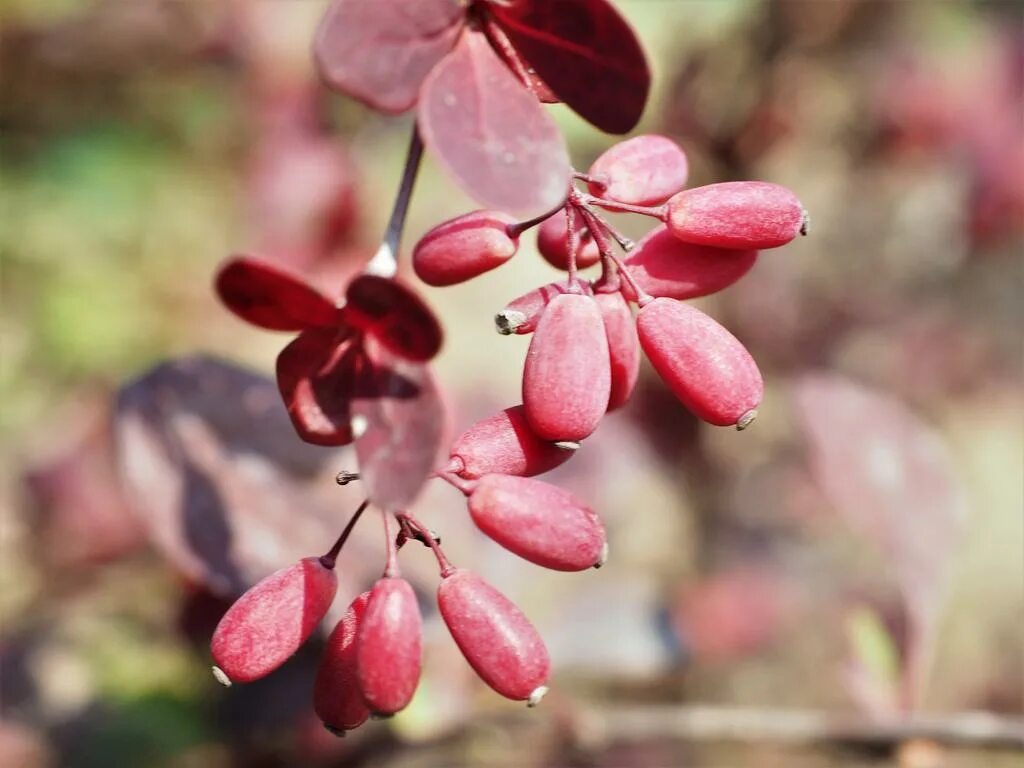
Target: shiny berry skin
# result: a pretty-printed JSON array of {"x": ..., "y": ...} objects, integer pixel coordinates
[
  {"x": 553, "y": 242},
  {"x": 266, "y": 625},
  {"x": 623, "y": 346},
  {"x": 644, "y": 170},
  {"x": 389, "y": 647},
  {"x": 737, "y": 214},
  {"x": 663, "y": 265},
  {"x": 464, "y": 247},
  {"x": 337, "y": 699},
  {"x": 498, "y": 641},
  {"x": 567, "y": 375},
  {"x": 539, "y": 522},
  {"x": 504, "y": 443},
  {"x": 706, "y": 367}
]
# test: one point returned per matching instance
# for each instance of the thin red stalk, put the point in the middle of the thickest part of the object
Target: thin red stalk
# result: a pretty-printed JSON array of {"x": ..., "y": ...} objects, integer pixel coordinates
[
  {"x": 586, "y": 178},
  {"x": 514, "y": 230},
  {"x": 611, "y": 205},
  {"x": 604, "y": 247},
  {"x": 573, "y": 238},
  {"x": 624, "y": 242},
  {"x": 328, "y": 559},
  {"x": 442, "y": 560}
]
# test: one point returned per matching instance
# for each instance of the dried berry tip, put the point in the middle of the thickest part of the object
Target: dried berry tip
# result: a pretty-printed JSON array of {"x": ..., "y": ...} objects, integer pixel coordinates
[
  {"x": 536, "y": 696},
  {"x": 567, "y": 445},
  {"x": 220, "y": 677},
  {"x": 345, "y": 477},
  {"x": 604, "y": 556},
  {"x": 805, "y": 222},
  {"x": 746, "y": 420},
  {"x": 508, "y": 321}
]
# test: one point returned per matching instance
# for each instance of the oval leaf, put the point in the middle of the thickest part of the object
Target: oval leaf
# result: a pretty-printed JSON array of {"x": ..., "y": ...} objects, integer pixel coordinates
[
  {"x": 380, "y": 51},
  {"x": 586, "y": 53},
  {"x": 491, "y": 133},
  {"x": 394, "y": 315},
  {"x": 399, "y": 418},
  {"x": 272, "y": 298}
]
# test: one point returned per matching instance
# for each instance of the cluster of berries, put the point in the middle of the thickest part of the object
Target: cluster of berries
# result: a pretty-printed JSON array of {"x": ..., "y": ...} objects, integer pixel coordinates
[
  {"x": 584, "y": 356},
  {"x": 371, "y": 664}
]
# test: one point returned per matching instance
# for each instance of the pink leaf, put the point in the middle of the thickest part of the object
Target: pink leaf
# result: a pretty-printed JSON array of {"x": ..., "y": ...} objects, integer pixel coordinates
[
  {"x": 380, "y": 51},
  {"x": 491, "y": 133},
  {"x": 586, "y": 53},
  {"x": 399, "y": 418}
]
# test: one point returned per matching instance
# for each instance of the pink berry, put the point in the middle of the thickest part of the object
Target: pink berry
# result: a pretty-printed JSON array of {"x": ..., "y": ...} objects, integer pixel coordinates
[
  {"x": 520, "y": 316},
  {"x": 504, "y": 443},
  {"x": 706, "y": 367},
  {"x": 623, "y": 346},
  {"x": 464, "y": 247},
  {"x": 498, "y": 641},
  {"x": 567, "y": 376},
  {"x": 337, "y": 699},
  {"x": 645, "y": 170},
  {"x": 539, "y": 522},
  {"x": 388, "y": 647},
  {"x": 553, "y": 242},
  {"x": 267, "y": 624},
  {"x": 665, "y": 266},
  {"x": 737, "y": 214}
]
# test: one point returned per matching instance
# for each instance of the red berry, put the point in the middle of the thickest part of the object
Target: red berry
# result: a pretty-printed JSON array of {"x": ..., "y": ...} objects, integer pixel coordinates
[
  {"x": 498, "y": 641},
  {"x": 337, "y": 699},
  {"x": 663, "y": 265},
  {"x": 267, "y": 624},
  {"x": 388, "y": 647},
  {"x": 464, "y": 247},
  {"x": 737, "y": 214},
  {"x": 520, "y": 316},
  {"x": 623, "y": 346},
  {"x": 645, "y": 170},
  {"x": 553, "y": 242},
  {"x": 394, "y": 315},
  {"x": 539, "y": 522},
  {"x": 504, "y": 443},
  {"x": 707, "y": 367},
  {"x": 567, "y": 376}
]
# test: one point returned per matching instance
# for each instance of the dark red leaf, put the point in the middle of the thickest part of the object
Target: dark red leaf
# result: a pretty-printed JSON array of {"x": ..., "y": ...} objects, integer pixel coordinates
[
  {"x": 272, "y": 298},
  {"x": 316, "y": 375},
  {"x": 586, "y": 53},
  {"x": 212, "y": 466},
  {"x": 526, "y": 74},
  {"x": 380, "y": 51},
  {"x": 491, "y": 133},
  {"x": 400, "y": 420},
  {"x": 394, "y": 315}
]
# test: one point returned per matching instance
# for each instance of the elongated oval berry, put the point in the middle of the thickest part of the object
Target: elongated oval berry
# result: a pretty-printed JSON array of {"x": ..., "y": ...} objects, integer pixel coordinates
[
  {"x": 706, "y": 367},
  {"x": 539, "y": 522},
  {"x": 623, "y": 346},
  {"x": 388, "y": 647},
  {"x": 663, "y": 265},
  {"x": 337, "y": 698},
  {"x": 644, "y": 170},
  {"x": 267, "y": 624},
  {"x": 498, "y": 641},
  {"x": 567, "y": 376},
  {"x": 737, "y": 214},
  {"x": 505, "y": 444},
  {"x": 520, "y": 316},
  {"x": 464, "y": 247},
  {"x": 553, "y": 242}
]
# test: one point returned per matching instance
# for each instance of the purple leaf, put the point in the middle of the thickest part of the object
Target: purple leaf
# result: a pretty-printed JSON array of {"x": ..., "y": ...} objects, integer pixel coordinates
[
  {"x": 491, "y": 133},
  {"x": 399, "y": 418},
  {"x": 380, "y": 51}
]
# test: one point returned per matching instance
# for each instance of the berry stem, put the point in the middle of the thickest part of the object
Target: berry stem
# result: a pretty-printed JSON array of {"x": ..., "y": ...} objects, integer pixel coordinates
[
  {"x": 514, "y": 230},
  {"x": 611, "y": 205},
  {"x": 598, "y": 181},
  {"x": 328, "y": 560},
  {"x": 601, "y": 238},
  {"x": 391, "y": 570},
  {"x": 572, "y": 235},
  {"x": 442, "y": 559},
  {"x": 385, "y": 261},
  {"x": 624, "y": 242}
]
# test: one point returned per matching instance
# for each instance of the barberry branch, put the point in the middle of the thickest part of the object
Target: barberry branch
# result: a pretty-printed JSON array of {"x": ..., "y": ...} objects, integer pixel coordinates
[
  {"x": 601, "y": 238},
  {"x": 385, "y": 261}
]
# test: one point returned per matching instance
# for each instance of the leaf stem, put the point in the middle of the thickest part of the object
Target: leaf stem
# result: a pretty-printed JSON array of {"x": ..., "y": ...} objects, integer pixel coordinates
[{"x": 385, "y": 261}]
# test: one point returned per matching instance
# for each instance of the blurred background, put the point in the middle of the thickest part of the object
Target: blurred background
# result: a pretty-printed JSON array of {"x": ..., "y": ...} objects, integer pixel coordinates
[{"x": 859, "y": 552}]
